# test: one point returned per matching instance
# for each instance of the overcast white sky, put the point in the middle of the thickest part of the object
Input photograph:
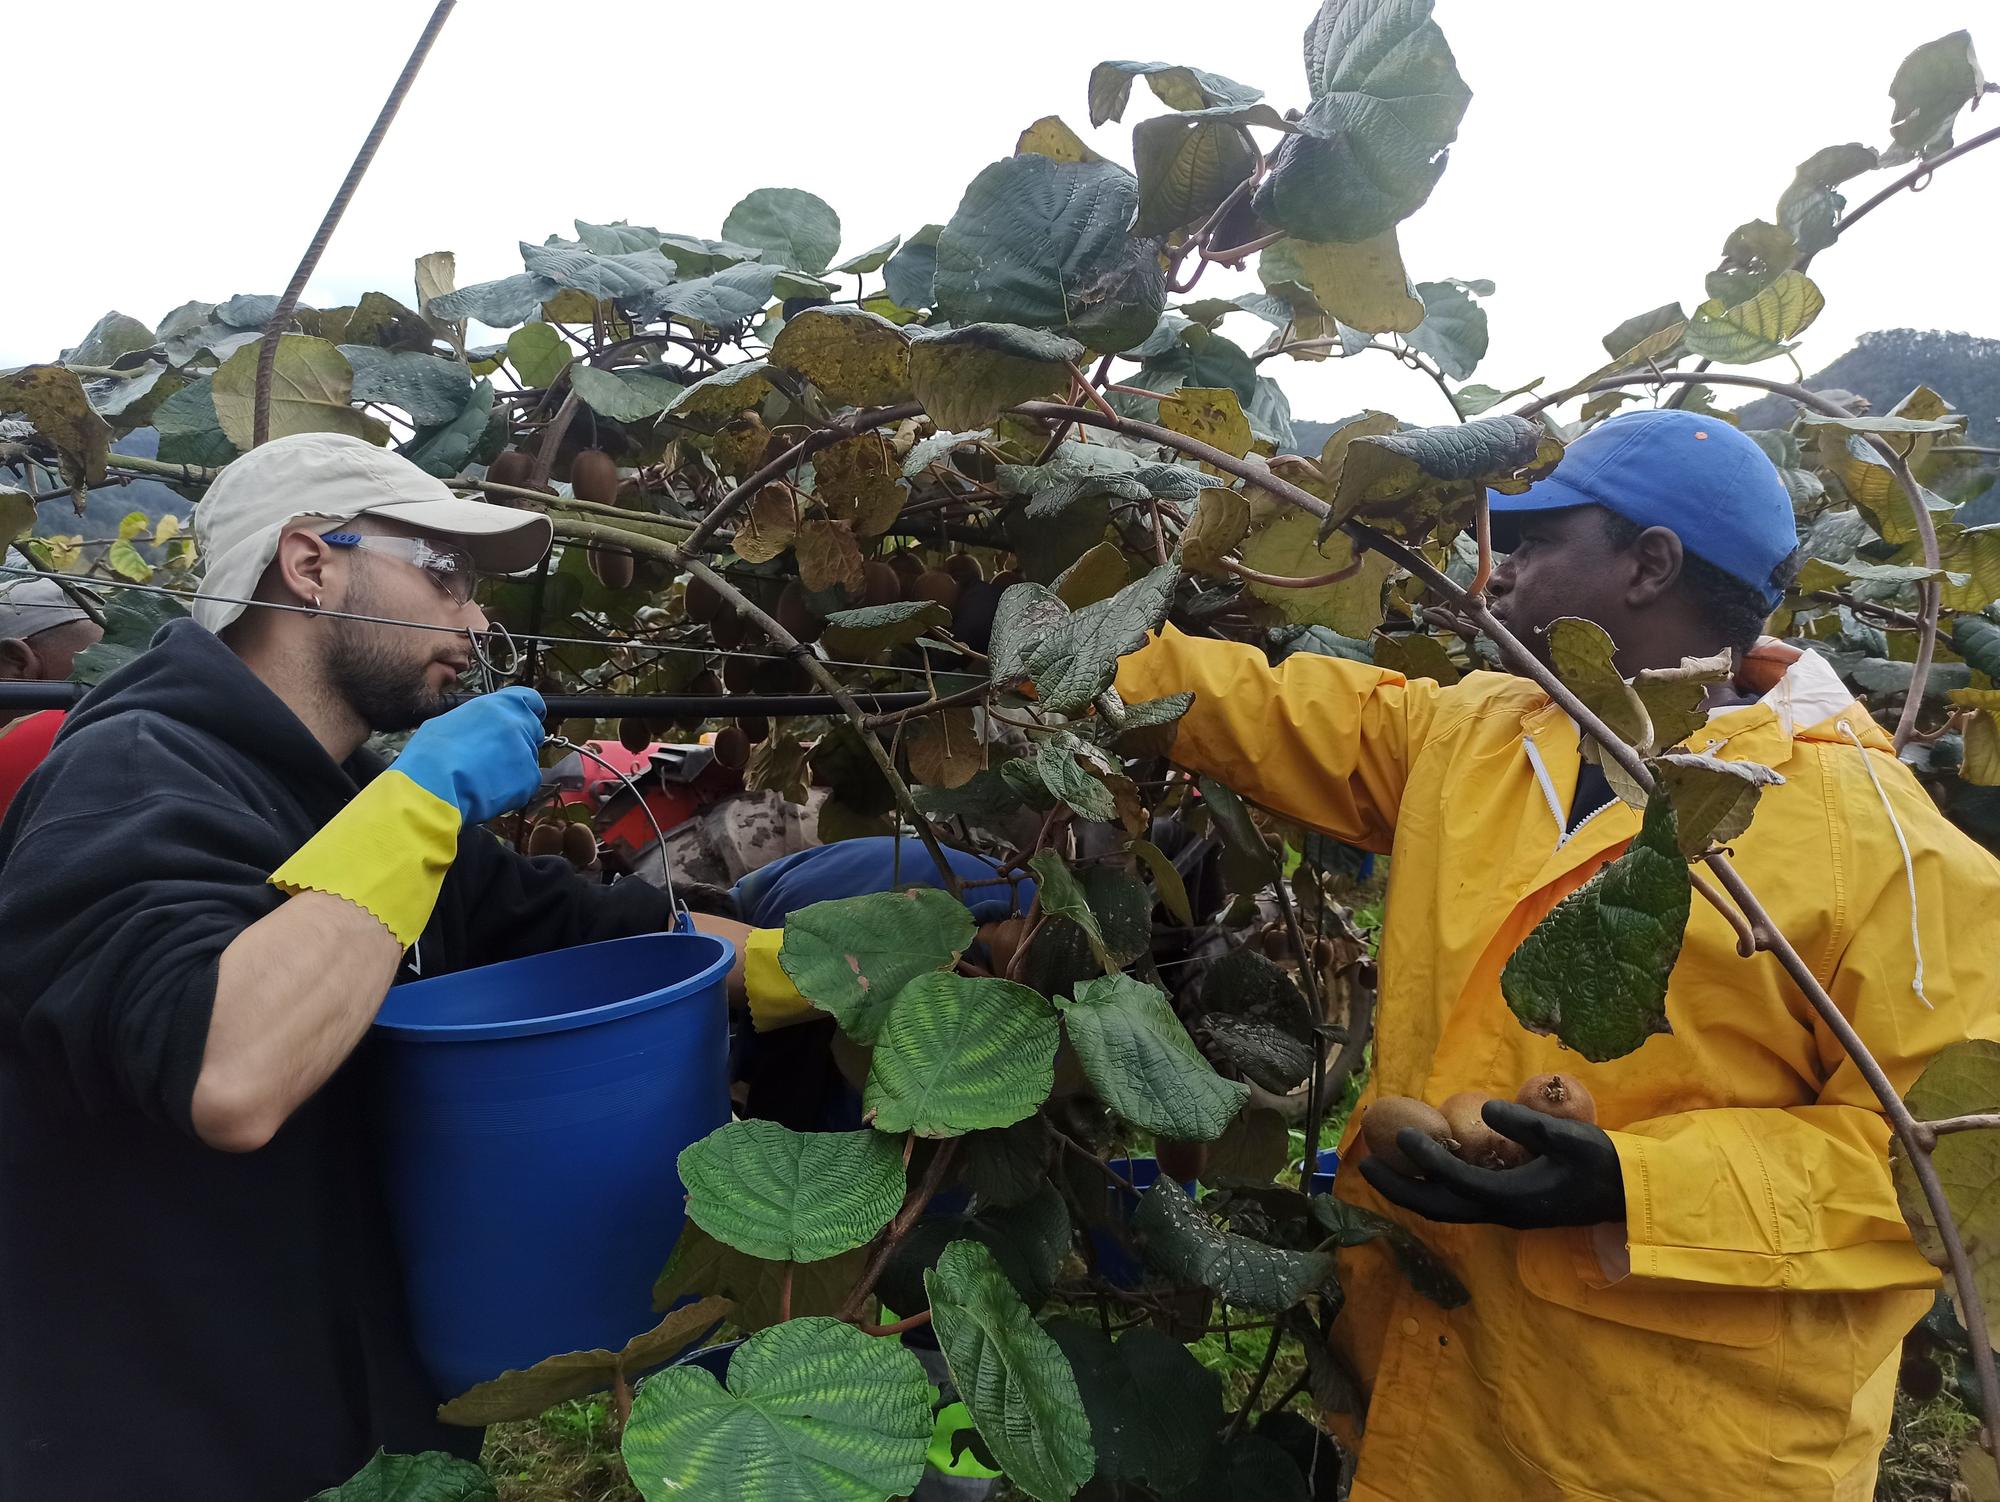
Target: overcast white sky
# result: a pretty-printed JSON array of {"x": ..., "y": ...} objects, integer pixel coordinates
[{"x": 188, "y": 150}]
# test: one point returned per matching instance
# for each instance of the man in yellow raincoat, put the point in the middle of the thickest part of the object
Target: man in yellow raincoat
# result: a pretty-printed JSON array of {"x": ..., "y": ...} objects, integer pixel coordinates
[{"x": 1706, "y": 1299}]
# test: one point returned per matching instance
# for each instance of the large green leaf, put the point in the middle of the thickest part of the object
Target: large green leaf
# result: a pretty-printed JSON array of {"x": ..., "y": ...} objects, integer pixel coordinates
[
  {"x": 55, "y": 402},
  {"x": 791, "y": 1196},
  {"x": 1047, "y": 244},
  {"x": 1962, "y": 1080},
  {"x": 1154, "y": 1409},
  {"x": 1810, "y": 209},
  {"x": 1419, "y": 479},
  {"x": 1030, "y": 1240},
  {"x": 697, "y": 257},
  {"x": 966, "y": 377},
  {"x": 1714, "y": 800},
  {"x": 1187, "y": 165},
  {"x": 729, "y": 296},
  {"x": 429, "y": 389},
  {"x": 617, "y": 237},
  {"x": 958, "y": 1054},
  {"x": 1078, "y": 659},
  {"x": 432, "y": 1476},
  {"x": 1931, "y": 86},
  {"x": 1181, "y": 1243},
  {"x": 311, "y": 385},
  {"x": 1014, "y": 1378},
  {"x": 791, "y": 226},
  {"x": 446, "y": 448},
  {"x": 1454, "y": 328},
  {"x": 637, "y": 279},
  {"x": 910, "y": 275},
  {"x": 855, "y": 357},
  {"x": 864, "y": 633},
  {"x": 112, "y": 335},
  {"x": 1759, "y": 328},
  {"x": 528, "y": 1394},
  {"x": 1594, "y": 972},
  {"x": 1361, "y": 283},
  {"x": 1387, "y": 100},
  {"x": 1025, "y": 616},
  {"x": 851, "y": 956},
  {"x": 1977, "y": 640},
  {"x": 1143, "y": 1064},
  {"x": 716, "y": 398},
  {"x": 501, "y": 304},
  {"x": 1287, "y": 545},
  {"x": 815, "y": 1411},
  {"x": 701, "y": 1266},
  {"x": 622, "y": 395},
  {"x": 1178, "y": 87}
]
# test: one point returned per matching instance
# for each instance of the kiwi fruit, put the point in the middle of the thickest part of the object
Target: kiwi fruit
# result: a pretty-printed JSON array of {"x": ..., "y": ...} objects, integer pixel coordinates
[
  {"x": 1560, "y": 1095},
  {"x": 757, "y": 727},
  {"x": 732, "y": 747},
  {"x": 593, "y": 475},
  {"x": 729, "y": 630},
  {"x": 1478, "y": 1143},
  {"x": 1007, "y": 578},
  {"x": 705, "y": 682},
  {"x": 880, "y": 584},
  {"x": 511, "y": 467},
  {"x": 579, "y": 845},
  {"x": 906, "y": 565},
  {"x": 614, "y": 568},
  {"x": 634, "y": 735},
  {"x": 703, "y": 602},
  {"x": 1179, "y": 1160},
  {"x": 546, "y": 838},
  {"x": 1392, "y": 1114},
  {"x": 934, "y": 585},
  {"x": 739, "y": 674},
  {"x": 793, "y": 614},
  {"x": 965, "y": 568}
]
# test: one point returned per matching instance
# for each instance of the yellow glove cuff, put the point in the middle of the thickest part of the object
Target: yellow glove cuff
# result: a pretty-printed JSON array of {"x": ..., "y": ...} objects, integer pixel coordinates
[
  {"x": 387, "y": 852},
  {"x": 774, "y": 1001}
]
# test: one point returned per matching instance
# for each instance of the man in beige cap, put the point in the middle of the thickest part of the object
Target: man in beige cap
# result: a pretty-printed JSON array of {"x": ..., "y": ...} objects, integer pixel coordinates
[
  {"x": 42, "y": 629},
  {"x": 205, "y": 892}
]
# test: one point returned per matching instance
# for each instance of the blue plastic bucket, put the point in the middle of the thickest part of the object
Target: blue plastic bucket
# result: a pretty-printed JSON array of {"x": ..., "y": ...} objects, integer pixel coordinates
[
  {"x": 531, "y": 1114},
  {"x": 1115, "y": 1264}
]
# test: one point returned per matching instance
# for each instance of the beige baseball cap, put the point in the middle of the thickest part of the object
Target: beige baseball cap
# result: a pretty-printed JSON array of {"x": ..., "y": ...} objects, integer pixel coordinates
[{"x": 335, "y": 478}]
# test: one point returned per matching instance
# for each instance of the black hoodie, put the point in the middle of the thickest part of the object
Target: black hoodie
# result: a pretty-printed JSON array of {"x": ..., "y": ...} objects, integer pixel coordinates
[{"x": 177, "y": 1321}]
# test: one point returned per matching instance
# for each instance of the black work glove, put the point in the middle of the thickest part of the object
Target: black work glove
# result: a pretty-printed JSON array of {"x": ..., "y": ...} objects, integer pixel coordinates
[{"x": 1573, "y": 1180}]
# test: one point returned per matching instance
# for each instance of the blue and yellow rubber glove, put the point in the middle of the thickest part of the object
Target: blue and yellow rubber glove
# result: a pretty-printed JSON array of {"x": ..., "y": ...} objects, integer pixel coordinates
[{"x": 388, "y": 850}]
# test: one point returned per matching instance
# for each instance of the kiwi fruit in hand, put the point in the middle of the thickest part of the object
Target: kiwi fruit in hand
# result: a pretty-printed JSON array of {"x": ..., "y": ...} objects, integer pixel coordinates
[
  {"x": 1560, "y": 1095},
  {"x": 1478, "y": 1143},
  {"x": 546, "y": 838},
  {"x": 1392, "y": 1114},
  {"x": 579, "y": 845}
]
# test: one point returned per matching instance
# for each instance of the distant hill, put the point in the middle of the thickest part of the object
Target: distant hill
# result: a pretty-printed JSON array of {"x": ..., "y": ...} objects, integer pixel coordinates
[{"x": 1888, "y": 365}]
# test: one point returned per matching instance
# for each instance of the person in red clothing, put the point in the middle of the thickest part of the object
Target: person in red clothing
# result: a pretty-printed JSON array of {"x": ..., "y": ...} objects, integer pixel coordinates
[{"x": 41, "y": 632}]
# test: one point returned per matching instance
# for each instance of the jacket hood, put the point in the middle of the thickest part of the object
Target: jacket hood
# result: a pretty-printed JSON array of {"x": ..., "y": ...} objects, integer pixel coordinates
[{"x": 189, "y": 676}]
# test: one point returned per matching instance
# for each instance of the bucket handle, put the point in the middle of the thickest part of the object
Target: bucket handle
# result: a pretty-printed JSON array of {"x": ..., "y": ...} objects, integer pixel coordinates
[{"x": 682, "y": 922}]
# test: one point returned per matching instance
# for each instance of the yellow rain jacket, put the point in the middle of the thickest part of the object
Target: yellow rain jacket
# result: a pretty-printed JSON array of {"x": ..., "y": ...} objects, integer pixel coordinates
[{"x": 1737, "y": 1338}]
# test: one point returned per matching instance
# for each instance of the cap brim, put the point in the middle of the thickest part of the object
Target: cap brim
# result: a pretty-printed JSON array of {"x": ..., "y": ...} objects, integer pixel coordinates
[
  {"x": 501, "y": 539},
  {"x": 1552, "y": 493}
]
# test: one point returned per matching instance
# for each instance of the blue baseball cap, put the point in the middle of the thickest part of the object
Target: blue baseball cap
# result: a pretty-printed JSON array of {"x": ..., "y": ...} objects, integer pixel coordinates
[{"x": 1695, "y": 475}]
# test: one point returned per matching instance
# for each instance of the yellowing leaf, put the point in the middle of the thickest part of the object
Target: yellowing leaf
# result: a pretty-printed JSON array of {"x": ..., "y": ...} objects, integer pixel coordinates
[
  {"x": 1210, "y": 413},
  {"x": 856, "y": 358},
  {"x": 1362, "y": 284},
  {"x": 1982, "y": 735},
  {"x": 123, "y": 558},
  {"x": 829, "y": 555},
  {"x": 1097, "y": 575},
  {"x": 769, "y": 527},
  {"x": 54, "y": 402},
  {"x": 1221, "y": 519},
  {"x": 944, "y": 749},
  {"x": 860, "y": 481},
  {"x": 134, "y": 525},
  {"x": 311, "y": 383},
  {"x": 1581, "y": 653},
  {"x": 1286, "y": 547},
  {"x": 1051, "y": 138},
  {"x": 1757, "y": 329}
]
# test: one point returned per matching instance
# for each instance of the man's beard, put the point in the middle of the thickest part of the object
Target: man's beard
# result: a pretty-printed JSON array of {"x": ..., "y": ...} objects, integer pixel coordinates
[{"x": 385, "y": 688}]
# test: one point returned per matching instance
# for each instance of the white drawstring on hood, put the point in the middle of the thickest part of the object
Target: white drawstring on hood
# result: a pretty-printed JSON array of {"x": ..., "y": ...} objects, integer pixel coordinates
[{"x": 1909, "y": 869}]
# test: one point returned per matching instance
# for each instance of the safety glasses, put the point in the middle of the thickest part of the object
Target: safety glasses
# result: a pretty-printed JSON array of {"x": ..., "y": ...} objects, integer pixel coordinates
[{"x": 447, "y": 566}]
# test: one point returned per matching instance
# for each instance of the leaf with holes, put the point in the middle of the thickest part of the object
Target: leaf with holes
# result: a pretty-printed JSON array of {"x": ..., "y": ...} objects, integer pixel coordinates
[
  {"x": 1154, "y": 1409},
  {"x": 1051, "y": 137},
  {"x": 815, "y": 1411},
  {"x": 1181, "y": 1243},
  {"x": 1013, "y": 1377},
  {"x": 959, "y": 1053},
  {"x": 1142, "y": 1063},
  {"x": 944, "y": 749},
  {"x": 851, "y": 956},
  {"x": 1593, "y": 973},
  {"x": 1047, "y": 244},
  {"x": 1078, "y": 659},
  {"x": 1960, "y": 1080},
  {"x": 791, "y": 1196},
  {"x": 967, "y": 376},
  {"x": 1759, "y": 328},
  {"x": 857, "y": 358},
  {"x": 514, "y": 1396},
  {"x": 54, "y": 401},
  {"x": 769, "y": 527},
  {"x": 432, "y": 1476},
  {"x": 1713, "y": 799},
  {"x": 1210, "y": 413},
  {"x": 829, "y": 556}
]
